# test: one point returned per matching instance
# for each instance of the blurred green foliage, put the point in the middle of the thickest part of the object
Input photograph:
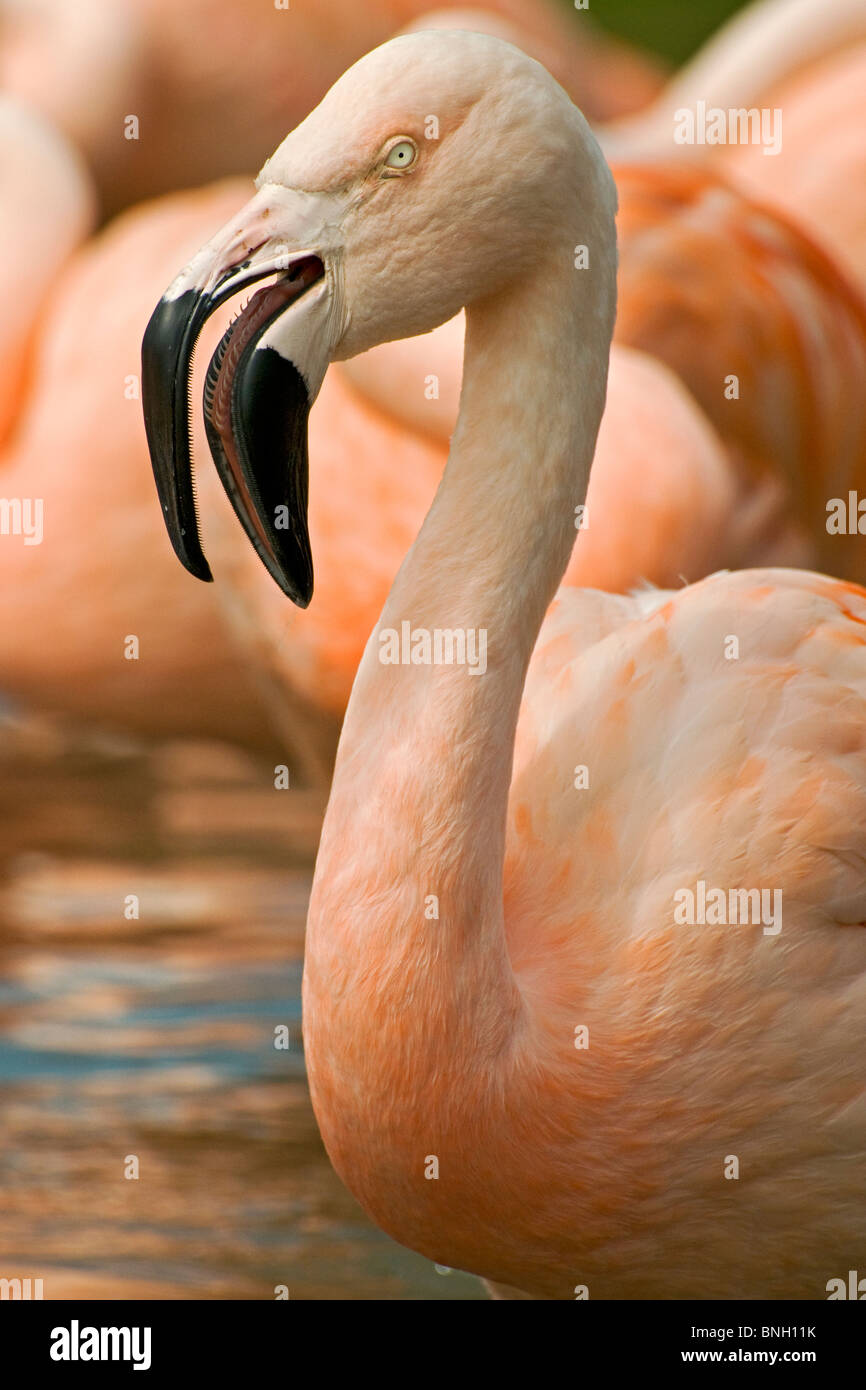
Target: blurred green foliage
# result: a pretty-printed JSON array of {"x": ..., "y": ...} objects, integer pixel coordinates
[{"x": 674, "y": 28}]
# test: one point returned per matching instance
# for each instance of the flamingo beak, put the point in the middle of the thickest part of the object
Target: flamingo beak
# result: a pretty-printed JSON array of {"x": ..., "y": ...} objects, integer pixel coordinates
[{"x": 260, "y": 385}]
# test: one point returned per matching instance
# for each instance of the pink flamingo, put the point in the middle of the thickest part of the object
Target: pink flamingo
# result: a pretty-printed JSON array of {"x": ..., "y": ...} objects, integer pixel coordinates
[
  {"x": 67, "y": 604},
  {"x": 819, "y": 176},
  {"x": 808, "y": 63},
  {"x": 47, "y": 190},
  {"x": 760, "y": 323},
  {"x": 523, "y": 1061},
  {"x": 768, "y": 43},
  {"x": 712, "y": 283}
]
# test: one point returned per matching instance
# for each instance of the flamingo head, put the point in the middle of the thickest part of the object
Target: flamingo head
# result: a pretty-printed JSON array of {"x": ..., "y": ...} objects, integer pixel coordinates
[{"x": 437, "y": 169}]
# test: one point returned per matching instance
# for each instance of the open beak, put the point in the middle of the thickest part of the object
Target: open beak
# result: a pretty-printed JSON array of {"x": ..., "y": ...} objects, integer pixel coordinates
[{"x": 261, "y": 382}]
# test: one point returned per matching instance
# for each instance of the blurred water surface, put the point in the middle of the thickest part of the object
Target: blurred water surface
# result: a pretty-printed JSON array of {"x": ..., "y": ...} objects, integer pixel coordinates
[{"x": 154, "y": 1036}]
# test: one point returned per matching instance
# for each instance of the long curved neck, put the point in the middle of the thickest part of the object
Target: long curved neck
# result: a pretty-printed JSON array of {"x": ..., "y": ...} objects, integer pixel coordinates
[{"x": 406, "y": 926}]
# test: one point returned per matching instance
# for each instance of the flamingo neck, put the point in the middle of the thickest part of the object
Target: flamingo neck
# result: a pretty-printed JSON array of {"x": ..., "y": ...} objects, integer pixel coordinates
[{"x": 406, "y": 929}]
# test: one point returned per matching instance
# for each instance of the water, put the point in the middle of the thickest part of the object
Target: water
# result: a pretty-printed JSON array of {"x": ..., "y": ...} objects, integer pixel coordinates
[{"x": 149, "y": 1040}]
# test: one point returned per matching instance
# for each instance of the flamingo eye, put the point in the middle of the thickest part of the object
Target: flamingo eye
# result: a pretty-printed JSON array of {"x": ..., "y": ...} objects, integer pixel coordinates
[{"x": 402, "y": 155}]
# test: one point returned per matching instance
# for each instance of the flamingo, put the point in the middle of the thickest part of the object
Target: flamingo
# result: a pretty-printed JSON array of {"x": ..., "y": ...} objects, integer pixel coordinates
[
  {"x": 807, "y": 62},
  {"x": 522, "y": 1064},
  {"x": 764, "y": 45},
  {"x": 68, "y": 604},
  {"x": 767, "y": 332},
  {"x": 47, "y": 191},
  {"x": 711, "y": 283},
  {"x": 819, "y": 177}
]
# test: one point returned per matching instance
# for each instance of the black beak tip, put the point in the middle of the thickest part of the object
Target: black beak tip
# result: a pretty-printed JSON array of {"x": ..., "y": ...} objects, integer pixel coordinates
[
  {"x": 293, "y": 578},
  {"x": 187, "y": 548},
  {"x": 198, "y": 567},
  {"x": 301, "y": 597}
]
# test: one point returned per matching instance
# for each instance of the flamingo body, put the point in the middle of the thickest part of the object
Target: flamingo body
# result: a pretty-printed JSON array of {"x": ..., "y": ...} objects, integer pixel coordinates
[{"x": 606, "y": 1167}]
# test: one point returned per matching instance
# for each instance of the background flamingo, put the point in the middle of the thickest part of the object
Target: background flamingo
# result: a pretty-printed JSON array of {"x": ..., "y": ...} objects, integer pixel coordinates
[
  {"x": 448, "y": 1037},
  {"x": 766, "y": 44},
  {"x": 46, "y": 211},
  {"x": 91, "y": 65},
  {"x": 784, "y": 418},
  {"x": 810, "y": 63},
  {"x": 716, "y": 285},
  {"x": 819, "y": 177}
]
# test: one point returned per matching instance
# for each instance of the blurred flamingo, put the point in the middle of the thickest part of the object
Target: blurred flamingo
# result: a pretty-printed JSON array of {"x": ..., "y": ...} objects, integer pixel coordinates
[
  {"x": 522, "y": 1062},
  {"x": 807, "y": 61},
  {"x": 769, "y": 335},
  {"x": 46, "y": 211},
  {"x": 819, "y": 177},
  {"x": 101, "y": 574},
  {"x": 766, "y": 44},
  {"x": 231, "y": 74}
]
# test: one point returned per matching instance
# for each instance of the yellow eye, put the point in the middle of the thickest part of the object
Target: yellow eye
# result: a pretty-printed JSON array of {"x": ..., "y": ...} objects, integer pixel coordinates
[{"x": 402, "y": 156}]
